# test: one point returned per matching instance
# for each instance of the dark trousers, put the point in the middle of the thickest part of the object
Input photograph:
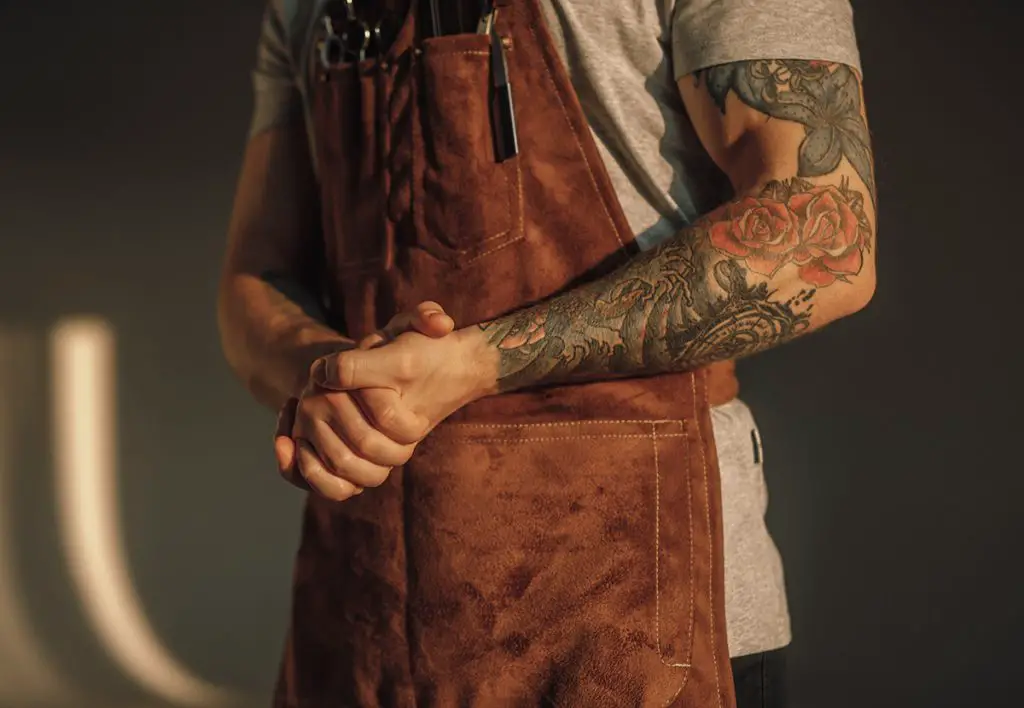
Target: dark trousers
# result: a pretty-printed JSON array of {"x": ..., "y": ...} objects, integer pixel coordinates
[{"x": 760, "y": 680}]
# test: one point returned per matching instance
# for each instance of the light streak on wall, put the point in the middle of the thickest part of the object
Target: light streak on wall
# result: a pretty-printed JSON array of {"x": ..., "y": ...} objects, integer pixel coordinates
[{"x": 84, "y": 402}]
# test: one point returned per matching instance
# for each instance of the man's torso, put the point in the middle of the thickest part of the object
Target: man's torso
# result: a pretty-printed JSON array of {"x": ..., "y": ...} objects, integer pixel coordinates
[{"x": 619, "y": 59}]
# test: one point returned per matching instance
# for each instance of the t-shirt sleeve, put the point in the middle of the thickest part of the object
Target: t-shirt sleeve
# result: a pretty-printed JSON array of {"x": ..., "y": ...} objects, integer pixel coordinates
[
  {"x": 276, "y": 97},
  {"x": 710, "y": 32}
]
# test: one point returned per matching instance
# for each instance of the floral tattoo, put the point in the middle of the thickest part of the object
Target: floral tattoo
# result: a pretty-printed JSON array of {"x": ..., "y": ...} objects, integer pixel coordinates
[
  {"x": 741, "y": 279},
  {"x": 822, "y": 229},
  {"x": 823, "y": 97}
]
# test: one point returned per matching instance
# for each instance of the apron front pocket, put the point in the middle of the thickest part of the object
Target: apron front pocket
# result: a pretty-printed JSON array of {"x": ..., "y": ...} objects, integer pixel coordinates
[
  {"x": 468, "y": 204},
  {"x": 553, "y": 561}
]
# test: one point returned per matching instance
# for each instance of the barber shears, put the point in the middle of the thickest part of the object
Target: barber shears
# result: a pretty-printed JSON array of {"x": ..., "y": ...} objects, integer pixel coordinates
[{"x": 354, "y": 40}]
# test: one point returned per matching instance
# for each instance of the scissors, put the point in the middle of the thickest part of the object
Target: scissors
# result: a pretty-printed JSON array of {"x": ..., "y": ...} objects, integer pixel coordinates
[{"x": 356, "y": 41}]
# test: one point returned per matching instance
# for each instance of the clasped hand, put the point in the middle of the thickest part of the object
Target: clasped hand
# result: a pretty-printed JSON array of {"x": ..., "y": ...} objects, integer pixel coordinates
[{"x": 366, "y": 408}]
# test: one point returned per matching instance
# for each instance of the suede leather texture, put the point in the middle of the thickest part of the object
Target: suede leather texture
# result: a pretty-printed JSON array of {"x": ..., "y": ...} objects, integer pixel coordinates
[{"x": 551, "y": 547}]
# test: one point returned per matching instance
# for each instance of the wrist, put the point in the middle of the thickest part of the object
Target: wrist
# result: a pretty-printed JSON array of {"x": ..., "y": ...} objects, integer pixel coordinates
[{"x": 479, "y": 361}]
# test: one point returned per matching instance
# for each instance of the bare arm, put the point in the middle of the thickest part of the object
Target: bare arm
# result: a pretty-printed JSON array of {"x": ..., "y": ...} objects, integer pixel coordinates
[
  {"x": 790, "y": 254},
  {"x": 270, "y": 321}
]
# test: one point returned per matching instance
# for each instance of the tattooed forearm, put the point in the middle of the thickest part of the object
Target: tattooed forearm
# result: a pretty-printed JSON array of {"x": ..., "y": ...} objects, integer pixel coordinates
[
  {"x": 822, "y": 96},
  {"x": 738, "y": 281}
]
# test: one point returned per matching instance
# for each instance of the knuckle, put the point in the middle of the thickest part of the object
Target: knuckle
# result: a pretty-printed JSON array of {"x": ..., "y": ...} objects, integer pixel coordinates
[
  {"x": 335, "y": 405},
  {"x": 326, "y": 484},
  {"x": 361, "y": 441},
  {"x": 305, "y": 410},
  {"x": 405, "y": 366},
  {"x": 421, "y": 428},
  {"x": 347, "y": 370},
  {"x": 309, "y": 465},
  {"x": 344, "y": 460},
  {"x": 387, "y": 417}
]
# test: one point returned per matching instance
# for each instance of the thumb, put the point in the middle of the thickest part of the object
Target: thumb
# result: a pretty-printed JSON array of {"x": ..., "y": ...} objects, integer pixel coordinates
[
  {"x": 354, "y": 369},
  {"x": 430, "y": 319}
]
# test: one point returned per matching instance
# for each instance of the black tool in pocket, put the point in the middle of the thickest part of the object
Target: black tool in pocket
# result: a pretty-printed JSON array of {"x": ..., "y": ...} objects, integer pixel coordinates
[{"x": 503, "y": 116}]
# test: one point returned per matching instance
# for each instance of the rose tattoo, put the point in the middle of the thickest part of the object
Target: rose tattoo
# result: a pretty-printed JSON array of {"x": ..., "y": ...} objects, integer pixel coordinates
[{"x": 822, "y": 229}]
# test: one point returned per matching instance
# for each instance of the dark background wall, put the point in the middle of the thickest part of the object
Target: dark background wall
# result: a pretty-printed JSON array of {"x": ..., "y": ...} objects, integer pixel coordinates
[{"x": 892, "y": 439}]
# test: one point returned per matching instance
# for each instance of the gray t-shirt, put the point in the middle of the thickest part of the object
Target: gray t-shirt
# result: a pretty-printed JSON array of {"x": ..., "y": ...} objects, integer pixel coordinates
[{"x": 624, "y": 59}]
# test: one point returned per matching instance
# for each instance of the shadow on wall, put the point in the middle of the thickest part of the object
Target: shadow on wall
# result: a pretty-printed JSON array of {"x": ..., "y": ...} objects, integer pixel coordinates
[{"x": 85, "y": 570}]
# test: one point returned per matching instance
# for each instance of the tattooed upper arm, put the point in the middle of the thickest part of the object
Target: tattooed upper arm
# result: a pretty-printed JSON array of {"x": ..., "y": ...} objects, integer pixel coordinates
[{"x": 781, "y": 118}]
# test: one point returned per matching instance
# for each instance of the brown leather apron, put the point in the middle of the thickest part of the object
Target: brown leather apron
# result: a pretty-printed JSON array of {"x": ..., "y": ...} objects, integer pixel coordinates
[{"x": 555, "y": 547}]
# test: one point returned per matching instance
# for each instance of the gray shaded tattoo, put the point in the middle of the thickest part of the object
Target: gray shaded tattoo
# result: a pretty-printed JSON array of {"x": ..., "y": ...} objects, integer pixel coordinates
[
  {"x": 693, "y": 299},
  {"x": 824, "y": 97}
]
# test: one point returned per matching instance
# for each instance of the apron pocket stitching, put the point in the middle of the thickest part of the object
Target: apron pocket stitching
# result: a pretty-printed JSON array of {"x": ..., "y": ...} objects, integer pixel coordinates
[
  {"x": 489, "y": 251},
  {"x": 712, "y": 629},
  {"x": 515, "y": 441},
  {"x": 657, "y": 545},
  {"x": 501, "y": 234},
  {"x": 517, "y": 224},
  {"x": 682, "y": 423}
]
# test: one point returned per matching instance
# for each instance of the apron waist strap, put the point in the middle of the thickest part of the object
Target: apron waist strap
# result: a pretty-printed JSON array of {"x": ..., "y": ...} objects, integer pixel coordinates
[{"x": 722, "y": 383}]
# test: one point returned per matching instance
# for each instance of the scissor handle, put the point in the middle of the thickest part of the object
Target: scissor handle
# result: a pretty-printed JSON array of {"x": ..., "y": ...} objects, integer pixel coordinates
[{"x": 355, "y": 40}]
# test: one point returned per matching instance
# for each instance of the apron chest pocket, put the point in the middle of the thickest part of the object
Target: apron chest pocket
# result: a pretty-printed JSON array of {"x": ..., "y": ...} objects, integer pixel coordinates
[{"x": 468, "y": 204}]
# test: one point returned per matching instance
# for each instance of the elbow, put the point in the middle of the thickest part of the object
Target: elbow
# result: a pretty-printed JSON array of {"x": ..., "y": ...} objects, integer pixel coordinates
[
  {"x": 223, "y": 309},
  {"x": 860, "y": 295},
  {"x": 864, "y": 293},
  {"x": 227, "y": 327},
  {"x": 234, "y": 349}
]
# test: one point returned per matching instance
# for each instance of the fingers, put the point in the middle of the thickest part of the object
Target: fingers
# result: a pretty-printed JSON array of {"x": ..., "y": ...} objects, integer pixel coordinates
[
  {"x": 344, "y": 442},
  {"x": 284, "y": 446},
  {"x": 340, "y": 461},
  {"x": 287, "y": 462},
  {"x": 317, "y": 454},
  {"x": 349, "y": 423},
  {"x": 320, "y": 478},
  {"x": 286, "y": 418},
  {"x": 363, "y": 436},
  {"x": 427, "y": 318},
  {"x": 388, "y": 414}
]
